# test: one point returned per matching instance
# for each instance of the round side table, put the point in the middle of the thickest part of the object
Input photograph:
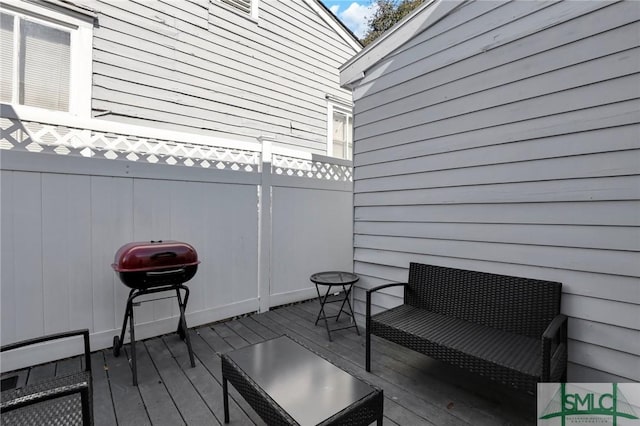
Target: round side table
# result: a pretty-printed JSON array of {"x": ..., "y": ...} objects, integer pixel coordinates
[{"x": 330, "y": 280}]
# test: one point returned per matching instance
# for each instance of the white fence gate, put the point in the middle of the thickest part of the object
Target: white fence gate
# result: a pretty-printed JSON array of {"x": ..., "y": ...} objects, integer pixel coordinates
[{"x": 73, "y": 191}]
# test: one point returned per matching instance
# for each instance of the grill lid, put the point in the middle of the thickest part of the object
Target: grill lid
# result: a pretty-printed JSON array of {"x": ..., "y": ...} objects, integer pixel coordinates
[{"x": 154, "y": 255}]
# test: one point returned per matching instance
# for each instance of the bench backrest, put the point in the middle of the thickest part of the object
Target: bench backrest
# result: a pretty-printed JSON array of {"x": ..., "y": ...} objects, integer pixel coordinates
[{"x": 520, "y": 305}]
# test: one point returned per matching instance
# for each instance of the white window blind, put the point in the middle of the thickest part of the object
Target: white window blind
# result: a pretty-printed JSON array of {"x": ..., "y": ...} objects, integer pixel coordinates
[
  {"x": 44, "y": 66},
  {"x": 43, "y": 57},
  {"x": 7, "y": 56}
]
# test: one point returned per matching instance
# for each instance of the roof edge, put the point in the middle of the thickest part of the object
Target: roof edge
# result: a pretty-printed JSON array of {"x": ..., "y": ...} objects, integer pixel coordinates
[
  {"x": 336, "y": 24},
  {"x": 355, "y": 68}
]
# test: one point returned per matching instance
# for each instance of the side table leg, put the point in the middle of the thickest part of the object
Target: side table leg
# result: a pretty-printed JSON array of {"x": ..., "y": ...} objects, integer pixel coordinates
[
  {"x": 346, "y": 299},
  {"x": 346, "y": 296},
  {"x": 322, "y": 314},
  {"x": 225, "y": 398}
]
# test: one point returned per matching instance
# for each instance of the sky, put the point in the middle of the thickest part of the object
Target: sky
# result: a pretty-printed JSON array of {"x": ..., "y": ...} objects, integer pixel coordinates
[{"x": 354, "y": 14}]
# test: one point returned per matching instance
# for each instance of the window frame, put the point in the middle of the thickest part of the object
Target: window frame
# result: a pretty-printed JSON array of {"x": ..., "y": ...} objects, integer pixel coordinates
[
  {"x": 80, "y": 30},
  {"x": 348, "y": 111}
]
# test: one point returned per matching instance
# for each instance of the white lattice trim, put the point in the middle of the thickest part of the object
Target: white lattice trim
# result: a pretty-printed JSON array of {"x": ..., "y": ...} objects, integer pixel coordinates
[
  {"x": 315, "y": 169},
  {"x": 64, "y": 140}
]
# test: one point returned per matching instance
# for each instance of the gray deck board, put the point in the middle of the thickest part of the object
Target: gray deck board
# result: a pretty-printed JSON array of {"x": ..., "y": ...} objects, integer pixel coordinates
[
  {"x": 200, "y": 378},
  {"x": 207, "y": 346},
  {"x": 157, "y": 400},
  {"x": 103, "y": 412},
  {"x": 418, "y": 390},
  {"x": 127, "y": 401},
  {"x": 245, "y": 332},
  {"x": 230, "y": 336},
  {"x": 41, "y": 372},
  {"x": 69, "y": 365},
  {"x": 193, "y": 409}
]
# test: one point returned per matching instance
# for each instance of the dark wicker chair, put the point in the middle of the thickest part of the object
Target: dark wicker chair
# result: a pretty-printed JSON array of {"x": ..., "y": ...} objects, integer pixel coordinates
[
  {"x": 63, "y": 400},
  {"x": 508, "y": 329}
]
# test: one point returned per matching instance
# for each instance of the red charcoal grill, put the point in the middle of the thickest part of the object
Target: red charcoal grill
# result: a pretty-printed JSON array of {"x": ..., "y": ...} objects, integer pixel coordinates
[{"x": 152, "y": 267}]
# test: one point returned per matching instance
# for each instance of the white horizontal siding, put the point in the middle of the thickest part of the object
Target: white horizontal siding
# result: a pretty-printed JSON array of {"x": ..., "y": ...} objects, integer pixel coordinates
[
  {"x": 598, "y": 237},
  {"x": 555, "y": 25},
  {"x": 570, "y": 58},
  {"x": 505, "y": 139},
  {"x": 537, "y": 130},
  {"x": 466, "y": 117},
  {"x": 600, "y": 165},
  {"x": 424, "y": 159},
  {"x": 291, "y": 12},
  {"x": 605, "y": 213},
  {"x": 200, "y": 67}
]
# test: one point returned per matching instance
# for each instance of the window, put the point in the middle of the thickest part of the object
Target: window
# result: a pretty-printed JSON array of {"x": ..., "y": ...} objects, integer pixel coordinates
[
  {"x": 247, "y": 7},
  {"x": 340, "y": 132},
  {"x": 42, "y": 57}
]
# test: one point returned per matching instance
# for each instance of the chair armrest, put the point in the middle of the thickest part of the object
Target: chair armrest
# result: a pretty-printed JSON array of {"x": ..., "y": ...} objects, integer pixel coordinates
[
  {"x": 84, "y": 333},
  {"x": 556, "y": 330}
]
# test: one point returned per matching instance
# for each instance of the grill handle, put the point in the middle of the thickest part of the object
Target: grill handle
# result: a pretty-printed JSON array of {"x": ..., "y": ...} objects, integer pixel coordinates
[
  {"x": 163, "y": 254},
  {"x": 172, "y": 271}
]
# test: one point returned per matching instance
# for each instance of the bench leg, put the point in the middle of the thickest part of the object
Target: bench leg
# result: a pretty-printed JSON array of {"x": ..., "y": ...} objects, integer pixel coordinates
[
  {"x": 87, "y": 415},
  {"x": 368, "y": 351},
  {"x": 367, "y": 363}
]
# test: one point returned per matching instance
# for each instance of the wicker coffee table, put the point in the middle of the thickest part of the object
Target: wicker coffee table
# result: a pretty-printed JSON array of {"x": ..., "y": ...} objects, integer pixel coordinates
[{"x": 287, "y": 384}]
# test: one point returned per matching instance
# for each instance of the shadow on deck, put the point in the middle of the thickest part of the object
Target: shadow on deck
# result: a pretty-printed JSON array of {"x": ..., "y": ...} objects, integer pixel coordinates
[{"x": 417, "y": 389}]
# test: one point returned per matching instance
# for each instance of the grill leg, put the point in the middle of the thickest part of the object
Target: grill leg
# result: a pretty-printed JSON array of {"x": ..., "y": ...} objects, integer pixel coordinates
[
  {"x": 133, "y": 346},
  {"x": 183, "y": 322},
  {"x": 128, "y": 309}
]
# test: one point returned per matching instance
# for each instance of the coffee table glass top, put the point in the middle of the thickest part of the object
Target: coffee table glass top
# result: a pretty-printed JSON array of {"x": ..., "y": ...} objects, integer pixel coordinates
[
  {"x": 305, "y": 385},
  {"x": 334, "y": 278}
]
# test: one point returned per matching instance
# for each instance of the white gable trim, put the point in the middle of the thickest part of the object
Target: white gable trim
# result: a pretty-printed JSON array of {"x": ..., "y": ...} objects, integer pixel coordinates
[
  {"x": 334, "y": 25},
  {"x": 416, "y": 22}
]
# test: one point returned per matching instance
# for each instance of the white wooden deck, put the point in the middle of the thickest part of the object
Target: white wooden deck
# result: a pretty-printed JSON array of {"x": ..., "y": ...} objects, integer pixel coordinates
[{"x": 418, "y": 390}]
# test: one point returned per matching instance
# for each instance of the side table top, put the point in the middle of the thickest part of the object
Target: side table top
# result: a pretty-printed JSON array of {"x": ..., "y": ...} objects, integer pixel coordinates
[
  {"x": 305, "y": 385},
  {"x": 334, "y": 278}
]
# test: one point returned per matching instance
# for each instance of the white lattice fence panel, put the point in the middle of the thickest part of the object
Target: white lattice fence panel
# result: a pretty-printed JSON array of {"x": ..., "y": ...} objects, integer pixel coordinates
[
  {"x": 39, "y": 137},
  {"x": 291, "y": 166}
]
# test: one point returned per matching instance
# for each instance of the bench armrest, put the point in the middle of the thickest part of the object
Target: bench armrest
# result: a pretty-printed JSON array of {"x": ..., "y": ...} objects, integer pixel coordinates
[
  {"x": 556, "y": 331},
  {"x": 373, "y": 290},
  {"x": 554, "y": 327},
  {"x": 368, "y": 319},
  {"x": 84, "y": 333}
]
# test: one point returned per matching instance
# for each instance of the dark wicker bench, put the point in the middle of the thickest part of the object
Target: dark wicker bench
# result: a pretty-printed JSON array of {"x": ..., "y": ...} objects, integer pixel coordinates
[
  {"x": 62, "y": 400},
  {"x": 508, "y": 329}
]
